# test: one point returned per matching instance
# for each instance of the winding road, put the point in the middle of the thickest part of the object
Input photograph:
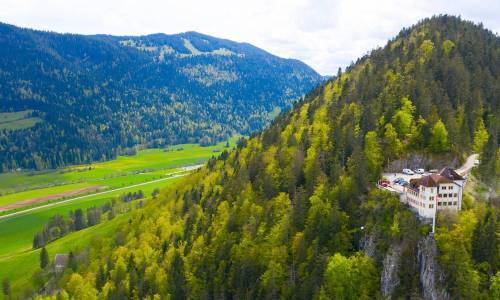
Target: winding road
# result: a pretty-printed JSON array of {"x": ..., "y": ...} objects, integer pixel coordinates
[
  {"x": 184, "y": 171},
  {"x": 468, "y": 165}
]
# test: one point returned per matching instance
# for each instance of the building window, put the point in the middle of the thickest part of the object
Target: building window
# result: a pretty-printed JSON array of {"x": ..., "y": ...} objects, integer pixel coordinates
[
  {"x": 450, "y": 195},
  {"x": 439, "y": 203},
  {"x": 445, "y": 195},
  {"x": 444, "y": 203},
  {"x": 455, "y": 203},
  {"x": 440, "y": 195},
  {"x": 449, "y": 203},
  {"x": 431, "y": 205},
  {"x": 454, "y": 195}
]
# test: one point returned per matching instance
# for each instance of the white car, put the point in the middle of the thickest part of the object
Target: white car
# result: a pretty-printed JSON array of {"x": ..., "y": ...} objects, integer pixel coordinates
[
  {"x": 420, "y": 171},
  {"x": 408, "y": 172},
  {"x": 476, "y": 162}
]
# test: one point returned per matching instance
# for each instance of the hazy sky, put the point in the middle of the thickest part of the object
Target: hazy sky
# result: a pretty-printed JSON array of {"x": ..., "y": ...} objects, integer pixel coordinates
[{"x": 326, "y": 34}]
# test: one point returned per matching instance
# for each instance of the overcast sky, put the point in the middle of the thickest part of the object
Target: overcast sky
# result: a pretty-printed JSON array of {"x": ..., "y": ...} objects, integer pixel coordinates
[{"x": 326, "y": 34}]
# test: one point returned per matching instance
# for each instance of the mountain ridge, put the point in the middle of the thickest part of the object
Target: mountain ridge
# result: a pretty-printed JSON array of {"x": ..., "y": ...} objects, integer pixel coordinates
[
  {"x": 99, "y": 95},
  {"x": 288, "y": 213}
]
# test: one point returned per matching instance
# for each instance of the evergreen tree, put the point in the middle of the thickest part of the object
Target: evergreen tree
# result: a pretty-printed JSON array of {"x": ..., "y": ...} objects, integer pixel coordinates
[
  {"x": 489, "y": 159},
  {"x": 177, "y": 281},
  {"x": 486, "y": 241},
  {"x": 78, "y": 221},
  {"x": 100, "y": 278},
  {"x": 72, "y": 263},
  {"x": 155, "y": 192},
  {"x": 6, "y": 287},
  {"x": 44, "y": 258}
]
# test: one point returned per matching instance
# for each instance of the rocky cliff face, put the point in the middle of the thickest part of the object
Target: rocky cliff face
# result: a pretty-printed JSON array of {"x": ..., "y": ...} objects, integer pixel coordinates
[
  {"x": 389, "y": 279},
  {"x": 368, "y": 245},
  {"x": 426, "y": 161},
  {"x": 431, "y": 276}
]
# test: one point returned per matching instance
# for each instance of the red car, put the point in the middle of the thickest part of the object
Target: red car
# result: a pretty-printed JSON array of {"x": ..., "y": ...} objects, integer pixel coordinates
[{"x": 383, "y": 183}]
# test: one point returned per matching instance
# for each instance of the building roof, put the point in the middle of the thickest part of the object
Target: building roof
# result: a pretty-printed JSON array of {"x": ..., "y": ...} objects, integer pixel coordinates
[
  {"x": 61, "y": 260},
  {"x": 446, "y": 175},
  {"x": 450, "y": 174},
  {"x": 432, "y": 180}
]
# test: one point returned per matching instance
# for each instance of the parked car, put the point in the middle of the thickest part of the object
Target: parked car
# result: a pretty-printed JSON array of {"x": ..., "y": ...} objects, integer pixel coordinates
[
  {"x": 476, "y": 162},
  {"x": 383, "y": 183},
  {"x": 402, "y": 182},
  {"x": 408, "y": 172},
  {"x": 398, "y": 180},
  {"x": 420, "y": 171}
]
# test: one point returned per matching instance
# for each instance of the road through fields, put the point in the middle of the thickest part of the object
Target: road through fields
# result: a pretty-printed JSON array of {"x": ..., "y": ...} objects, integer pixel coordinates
[{"x": 183, "y": 172}]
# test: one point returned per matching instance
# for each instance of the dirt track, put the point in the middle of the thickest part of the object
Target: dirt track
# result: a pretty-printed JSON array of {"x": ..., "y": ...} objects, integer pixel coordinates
[{"x": 71, "y": 193}]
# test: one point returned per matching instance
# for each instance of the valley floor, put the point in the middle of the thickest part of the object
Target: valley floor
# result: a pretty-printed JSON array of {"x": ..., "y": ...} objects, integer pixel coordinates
[{"x": 146, "y": 171}]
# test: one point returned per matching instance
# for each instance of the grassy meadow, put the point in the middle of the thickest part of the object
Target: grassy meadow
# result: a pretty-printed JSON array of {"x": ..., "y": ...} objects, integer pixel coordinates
[
  {"x": 17, "y": 259},
  {"x": 150, "y": 168},
  {"x": 17, "y": 120},
  {"x": 146, "y": 165},
  {"x": 21, "y": 266}
]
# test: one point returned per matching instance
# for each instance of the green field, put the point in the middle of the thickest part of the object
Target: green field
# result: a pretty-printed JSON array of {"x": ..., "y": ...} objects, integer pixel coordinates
[
  {"x": 21, "y": 266},
  {"x": 17, "y": 232},
  {"x": 146, "y": 165},
  {"x": 124, "y": 170},
  {"x": 17, "y": 120},
  {"x": 16, "y": 197},
  {"x": 17, "y": 259}
]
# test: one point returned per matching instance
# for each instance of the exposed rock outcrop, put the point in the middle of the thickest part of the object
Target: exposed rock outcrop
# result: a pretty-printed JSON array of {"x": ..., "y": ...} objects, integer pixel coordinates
[
  {"x": 368, "y": 245},
  {"x": 389, "y": 279},
  {"x": 417, "y": 160},
  {"x": 431, "y": 276}
]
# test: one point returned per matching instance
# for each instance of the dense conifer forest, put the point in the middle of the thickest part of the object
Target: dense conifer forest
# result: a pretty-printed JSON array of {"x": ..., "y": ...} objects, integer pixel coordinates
[
  {"x": 97, "y": 96},
  {"x": 289, "y": 213}
]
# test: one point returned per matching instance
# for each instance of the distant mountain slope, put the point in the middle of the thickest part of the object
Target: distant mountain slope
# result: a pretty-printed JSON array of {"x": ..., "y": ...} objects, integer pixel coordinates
[
  {"x": 98, "y": 94},
  {"x": 293, "y": 213}
]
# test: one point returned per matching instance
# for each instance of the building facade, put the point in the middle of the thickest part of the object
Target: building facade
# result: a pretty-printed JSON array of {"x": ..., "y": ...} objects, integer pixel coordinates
[{"x": 434, "y": 192}]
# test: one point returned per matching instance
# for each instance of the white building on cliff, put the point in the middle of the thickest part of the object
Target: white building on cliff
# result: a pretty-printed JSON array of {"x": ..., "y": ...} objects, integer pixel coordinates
[{"x": 434, "y": 192}]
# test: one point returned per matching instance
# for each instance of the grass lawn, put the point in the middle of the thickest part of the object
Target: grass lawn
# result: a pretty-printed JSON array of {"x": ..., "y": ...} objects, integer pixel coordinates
[
  {"x": 17, "y": 232},
  {"x": 17, "y": 120},
  {"x": 115, "y": 173},
  {"x": 17, "y": 259},
  {"x": 16, "y": 197},
  {"x": 20, "y": 267}
]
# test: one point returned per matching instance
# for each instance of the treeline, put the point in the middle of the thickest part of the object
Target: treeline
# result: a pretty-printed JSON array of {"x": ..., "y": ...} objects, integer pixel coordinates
[
  {"x": 59, "y": 226},
  {"x": 469, "y": 251},
  {"x": 288, "y": 214},
  {"x": 98, "y": 98}
]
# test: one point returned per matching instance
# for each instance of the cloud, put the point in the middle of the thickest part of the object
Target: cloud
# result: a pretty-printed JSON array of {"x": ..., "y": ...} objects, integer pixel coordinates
[{"x": 326, "y": 34}]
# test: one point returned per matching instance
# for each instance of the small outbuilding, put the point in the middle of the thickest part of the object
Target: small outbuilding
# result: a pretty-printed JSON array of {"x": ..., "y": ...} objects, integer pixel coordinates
[{"x": 60, "y": 262}]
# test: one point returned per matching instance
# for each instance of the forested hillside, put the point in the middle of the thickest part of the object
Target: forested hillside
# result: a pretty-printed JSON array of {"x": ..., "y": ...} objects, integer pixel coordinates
[
  {"x": 87, "y": 98},
  {"x": 290, "y": 212}
]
